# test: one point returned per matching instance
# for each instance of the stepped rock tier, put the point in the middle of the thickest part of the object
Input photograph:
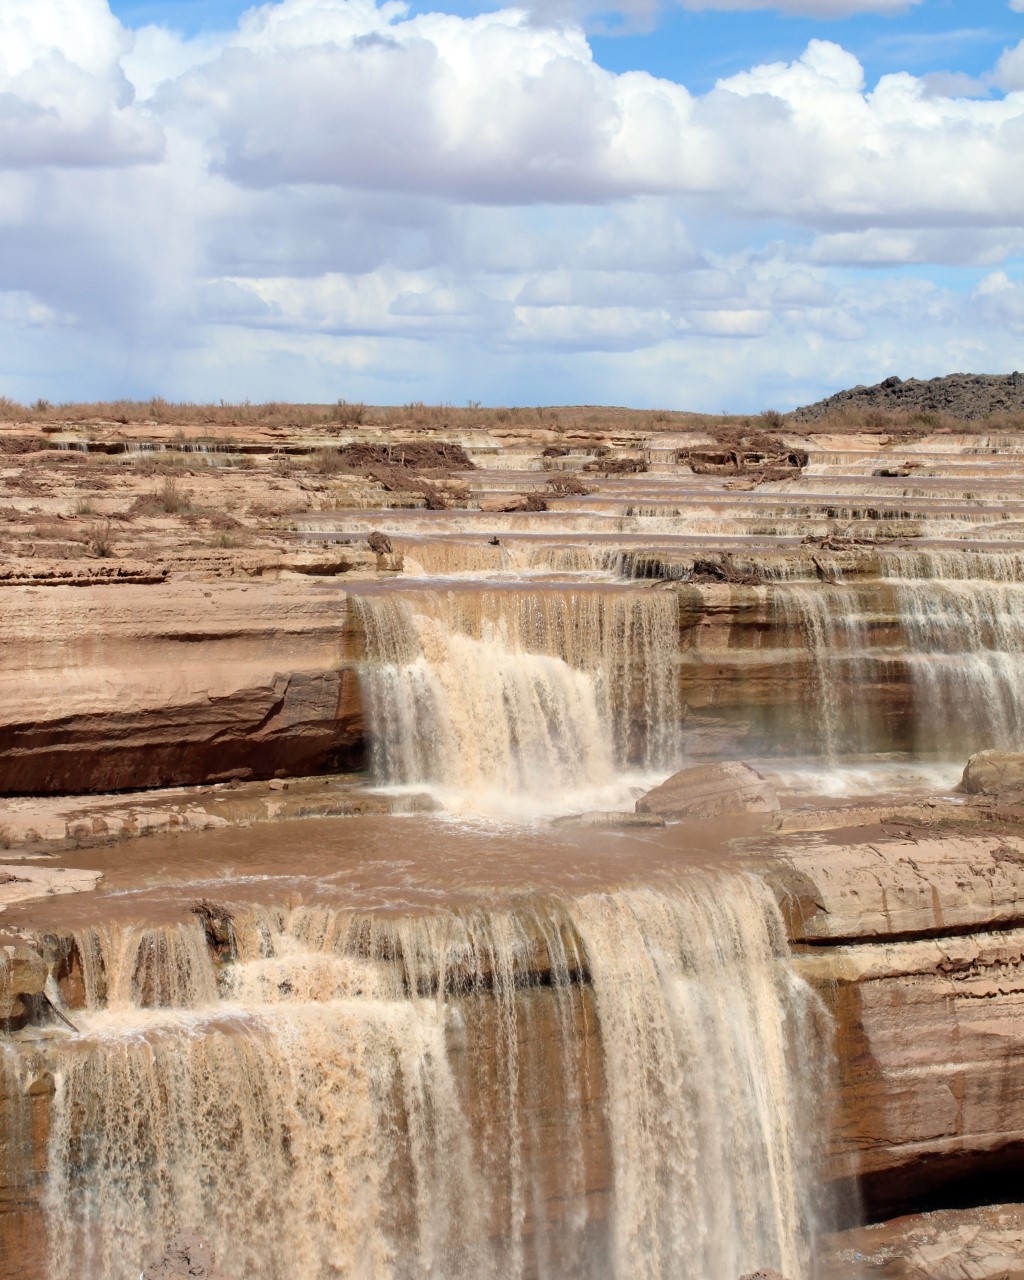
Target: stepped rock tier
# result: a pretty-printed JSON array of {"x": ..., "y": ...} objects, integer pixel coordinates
[{"x": 582, "y": 845}]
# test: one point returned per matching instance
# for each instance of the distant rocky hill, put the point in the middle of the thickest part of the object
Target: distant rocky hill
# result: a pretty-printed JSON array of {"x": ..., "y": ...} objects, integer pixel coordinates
[{"x": 958, "y": 395}]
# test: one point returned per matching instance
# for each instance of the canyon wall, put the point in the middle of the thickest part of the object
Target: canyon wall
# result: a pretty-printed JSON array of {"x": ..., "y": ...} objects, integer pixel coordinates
[{"x": 110, "y": 688}]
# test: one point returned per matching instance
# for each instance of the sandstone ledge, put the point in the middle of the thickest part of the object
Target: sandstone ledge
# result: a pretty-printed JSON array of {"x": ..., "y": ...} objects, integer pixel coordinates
[
  {"x": 916, "y": 946},
  {"x": 885, "y": 889},
  {"x": 110, "y": 688},
  {"x": 952, "y": 1244}
]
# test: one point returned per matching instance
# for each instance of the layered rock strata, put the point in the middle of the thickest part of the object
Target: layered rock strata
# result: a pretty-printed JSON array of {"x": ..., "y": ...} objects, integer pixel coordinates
[
  {"x": 917, "y": 946},
  {"x": 119, "y": 688}
]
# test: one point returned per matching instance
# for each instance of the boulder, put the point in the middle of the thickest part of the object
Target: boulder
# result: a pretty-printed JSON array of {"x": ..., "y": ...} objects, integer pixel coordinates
[
  {"x": 710, "y": 790},
  {"x": 505, "y": 502},
  {"x": 22, "y": 973},
  {"x": 609, "y": 818},
  {"x": 993, "y": 773},
  {"x": 187, "y": 1257}
]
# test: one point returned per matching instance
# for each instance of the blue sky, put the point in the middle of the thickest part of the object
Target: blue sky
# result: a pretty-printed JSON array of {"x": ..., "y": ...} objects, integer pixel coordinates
[
  {"x": 337, "y": 198},
  {"x": 699, "y": 47}
]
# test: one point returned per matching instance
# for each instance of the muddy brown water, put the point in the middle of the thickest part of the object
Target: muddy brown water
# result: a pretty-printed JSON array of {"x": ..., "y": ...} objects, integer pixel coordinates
[{"x": 381, "y": 864}]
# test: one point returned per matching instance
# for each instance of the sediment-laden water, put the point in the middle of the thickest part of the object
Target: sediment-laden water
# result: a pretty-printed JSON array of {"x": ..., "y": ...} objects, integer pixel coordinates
[
  {"x": 524, "y": 694},
  {"x": 620, "y": 1084}
]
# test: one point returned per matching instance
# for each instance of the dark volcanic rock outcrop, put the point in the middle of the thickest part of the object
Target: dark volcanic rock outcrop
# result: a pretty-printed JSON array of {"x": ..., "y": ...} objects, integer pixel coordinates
[{"x": 961, "y": 395}]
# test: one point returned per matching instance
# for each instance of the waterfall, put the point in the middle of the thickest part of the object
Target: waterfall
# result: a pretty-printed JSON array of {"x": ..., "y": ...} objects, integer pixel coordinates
[
  {"x": 962, "y": 618},
  {"x": 148, "y": 966},
  {"x": 947, "y": 626},
  {"x": 612, "y": 1087},
  {"x": 512, "y": 694},
  {"x": 830, "y": 620}
]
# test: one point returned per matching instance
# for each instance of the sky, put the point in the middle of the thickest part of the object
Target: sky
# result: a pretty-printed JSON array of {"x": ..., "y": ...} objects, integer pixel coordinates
[{"x": 718, "y": 205}]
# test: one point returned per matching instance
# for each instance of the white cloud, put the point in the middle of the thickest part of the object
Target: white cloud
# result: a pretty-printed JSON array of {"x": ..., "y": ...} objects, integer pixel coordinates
[
  {"x": 64, "y": 98},
  {"x": 642, "y": 11},
  {"x": 1009, "y": 70},
  {"x": 157, "y": 55},
  {"x": 496, "y": 110},
  {"x": 1000, "y": 301},
  {"x": 888, "y": 247},
  {"x": 338, "y": 199}
]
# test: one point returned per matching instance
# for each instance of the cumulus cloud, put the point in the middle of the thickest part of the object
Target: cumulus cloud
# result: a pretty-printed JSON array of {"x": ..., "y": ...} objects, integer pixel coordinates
[
  {"x": 496, "y": 110},
  {"x": 64, "y": 97},
  {"x": 335, "y": 198},
  {"x": 1009, "y": 70}
]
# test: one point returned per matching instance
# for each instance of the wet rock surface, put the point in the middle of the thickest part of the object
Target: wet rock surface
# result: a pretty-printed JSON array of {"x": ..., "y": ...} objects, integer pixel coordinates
[
  {"x": 709, "y": 791},
  {"x": 197, "y": 615},
  {"x": 187, "y": 1257},
  {"x": 965, "y": 1244}
]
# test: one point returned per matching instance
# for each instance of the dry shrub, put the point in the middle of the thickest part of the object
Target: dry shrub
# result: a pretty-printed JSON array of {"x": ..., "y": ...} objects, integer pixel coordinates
[
  {"x": 57, "y": 531},
  {"x": 328, "y": 462},
  {"x": 171, "y": 498},
  {"x": 156, "y": 462},
  {"x": 221, "y": 520},
  {"x": 568, "y": 486},
  {"x": 349, "y": 414},
  {"x": 101, "y": 539}
]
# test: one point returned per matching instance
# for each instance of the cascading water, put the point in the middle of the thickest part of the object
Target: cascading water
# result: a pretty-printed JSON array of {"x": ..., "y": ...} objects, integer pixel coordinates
[
  {"x": 505, "y": 695},
  {"x": 947, "y": 626},
  {"x": 617, "y": 1086},
  {"x": 963, "y": 622}
]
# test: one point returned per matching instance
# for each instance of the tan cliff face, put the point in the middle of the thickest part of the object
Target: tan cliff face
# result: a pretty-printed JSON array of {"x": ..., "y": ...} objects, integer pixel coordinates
[
  {"x": 156, "y": 587},
  {"x": 262, "y": 620},
  {"x": 114, "y": 688}
]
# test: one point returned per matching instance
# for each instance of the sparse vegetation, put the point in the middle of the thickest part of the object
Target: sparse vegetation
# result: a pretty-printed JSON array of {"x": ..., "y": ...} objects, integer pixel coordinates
[
  {"x": 101, "y": 539},
  {"x": 171, "y": 498},
  {"x": 348, "y": 414},
  {"x": 567, "y": 485},
  {"x": 328, "y": 462}
]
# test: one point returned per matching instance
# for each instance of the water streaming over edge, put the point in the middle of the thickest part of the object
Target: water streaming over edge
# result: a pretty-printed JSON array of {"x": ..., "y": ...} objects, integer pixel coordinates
[
  {"x": 619, "y": 1086},
  {"x": 522, "y": 697}
]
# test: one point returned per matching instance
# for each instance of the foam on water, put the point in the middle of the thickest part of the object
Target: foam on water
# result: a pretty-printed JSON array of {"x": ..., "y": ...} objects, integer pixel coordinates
[{"x": 617, "y": 1086}]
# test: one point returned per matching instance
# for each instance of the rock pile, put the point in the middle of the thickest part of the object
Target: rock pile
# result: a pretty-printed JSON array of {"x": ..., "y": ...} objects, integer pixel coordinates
[
  {"x": 187, "y": 1257},
  {"x": 960, "y": 395}
]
